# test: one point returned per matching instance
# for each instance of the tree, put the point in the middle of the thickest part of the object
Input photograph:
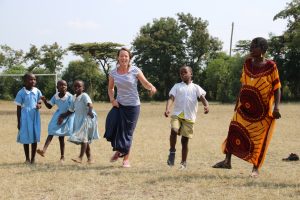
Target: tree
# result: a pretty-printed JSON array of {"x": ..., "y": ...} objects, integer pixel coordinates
[
  {"x": 289, "y": 43},
  {"x": 48, "y": 57},
  {"x": 167, "y": 44},
  {"x": 9, "y": 86},
  {"x": 223, "y": 74},
  {"x": 242, "y": 47},
  {"x": 104, "y": 54},
  {"x": 10, "y": 57},
  {"x": 87, "y": 70}
]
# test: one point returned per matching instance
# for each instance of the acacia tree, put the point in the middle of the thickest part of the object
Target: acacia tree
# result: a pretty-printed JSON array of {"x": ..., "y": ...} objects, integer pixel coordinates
[
  {"x": 48, "y": 57},
  {"x": 166, "y": 44},
  {"x": 104, "y": 54},
  {"x": 87, "y": 70}
]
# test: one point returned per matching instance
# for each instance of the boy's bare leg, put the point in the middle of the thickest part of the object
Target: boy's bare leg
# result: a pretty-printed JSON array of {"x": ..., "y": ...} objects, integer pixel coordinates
[
  {"x": 62, "y": 147},
  {"x": 185, "y": 149},
  {"x": 173, "y": 140},
  {"x": 26, "y": 151},
  {"x": 33, "y": 152}
]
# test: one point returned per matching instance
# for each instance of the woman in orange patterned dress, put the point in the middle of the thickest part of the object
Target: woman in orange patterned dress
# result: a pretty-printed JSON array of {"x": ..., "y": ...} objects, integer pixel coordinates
[{"x": 257, "y": 107}]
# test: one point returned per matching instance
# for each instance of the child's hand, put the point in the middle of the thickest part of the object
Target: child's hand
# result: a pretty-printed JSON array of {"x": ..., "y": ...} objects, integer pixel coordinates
[
  {"x": 39, "y": 105},
  {"x": 91, "y": 114},
  {"x": 43, "y": 98},
  {"x": 206, "y": 109},
  {"x": 167, "y": 113}
]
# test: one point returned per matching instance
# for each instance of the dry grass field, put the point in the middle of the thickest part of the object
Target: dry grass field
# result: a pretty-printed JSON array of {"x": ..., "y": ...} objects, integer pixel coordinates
[{"x": 150, "y": 177}]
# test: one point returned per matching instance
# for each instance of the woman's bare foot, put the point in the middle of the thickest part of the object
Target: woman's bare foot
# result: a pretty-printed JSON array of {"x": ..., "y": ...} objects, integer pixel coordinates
[
  {"x": 115, "y": 157},
  {"x": 40, "y": 152}
]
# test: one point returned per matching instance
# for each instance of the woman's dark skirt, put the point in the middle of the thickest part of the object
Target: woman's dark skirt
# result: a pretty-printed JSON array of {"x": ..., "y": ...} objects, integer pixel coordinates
[{"x": 119, "y": 127}]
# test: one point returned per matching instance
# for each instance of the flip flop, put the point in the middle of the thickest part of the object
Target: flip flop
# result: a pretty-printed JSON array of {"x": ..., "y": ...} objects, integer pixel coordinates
[
  {"x": 77, "y": 160},
  {"x": 222, "y": 165}
]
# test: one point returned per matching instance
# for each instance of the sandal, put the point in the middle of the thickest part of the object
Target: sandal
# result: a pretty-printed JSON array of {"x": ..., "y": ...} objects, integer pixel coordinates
[
  {"x": 222, "y": 165},
  {"x": 77, "y": 160}
]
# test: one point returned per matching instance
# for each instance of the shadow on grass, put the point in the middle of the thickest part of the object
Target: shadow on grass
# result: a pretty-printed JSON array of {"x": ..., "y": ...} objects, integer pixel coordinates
[
  {"x": 51, "y": 167},
  {"x": 272, "y": 185},
  {"x": 250, "y": 182},
  {"x": 192, "y": 176}
]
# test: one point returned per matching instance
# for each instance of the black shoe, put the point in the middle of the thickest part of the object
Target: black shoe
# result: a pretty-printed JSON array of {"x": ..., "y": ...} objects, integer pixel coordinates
[
  {"x": 292, "y": 157},
  {"x": 171, "y": 159}
]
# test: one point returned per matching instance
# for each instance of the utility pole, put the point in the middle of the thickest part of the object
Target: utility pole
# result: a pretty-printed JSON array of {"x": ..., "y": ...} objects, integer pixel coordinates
[{"x": 232, "y": 25}]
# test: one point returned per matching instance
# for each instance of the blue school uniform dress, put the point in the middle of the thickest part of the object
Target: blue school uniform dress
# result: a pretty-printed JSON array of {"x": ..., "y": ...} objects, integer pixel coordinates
[
  {"x": 85, "y": 128},
  {"x": 63, "y": 104},
  {"x": 30, "y": 121}
]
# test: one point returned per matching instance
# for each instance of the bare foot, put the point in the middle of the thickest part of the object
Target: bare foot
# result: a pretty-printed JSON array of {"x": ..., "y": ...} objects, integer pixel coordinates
[
  {"x": 222, "y": 165},
  {"x": 115, "y": 157},
  {"x": 27, "y": 162},
  {"x": 40, "y": 152},
  {"x": 254, "y": 173},
  {"x": 77, "y": 160},
  {"x": 90, "y": 161},
  {"x": 62, "y": 160}
]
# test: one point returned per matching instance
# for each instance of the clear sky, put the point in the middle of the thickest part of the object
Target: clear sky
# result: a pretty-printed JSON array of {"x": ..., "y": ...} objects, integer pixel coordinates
[{"x": 38, "y": 22}]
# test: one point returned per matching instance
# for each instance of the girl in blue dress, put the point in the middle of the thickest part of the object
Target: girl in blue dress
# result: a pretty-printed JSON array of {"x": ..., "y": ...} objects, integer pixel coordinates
[
  {"x": 63, "y": 100},
  {"x": 29, "y": 122},
  {"x": 85, "y": 127}
]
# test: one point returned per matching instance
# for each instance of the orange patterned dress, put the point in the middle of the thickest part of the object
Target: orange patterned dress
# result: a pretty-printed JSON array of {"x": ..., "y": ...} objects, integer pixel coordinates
[{"x": 252, "y": 125}]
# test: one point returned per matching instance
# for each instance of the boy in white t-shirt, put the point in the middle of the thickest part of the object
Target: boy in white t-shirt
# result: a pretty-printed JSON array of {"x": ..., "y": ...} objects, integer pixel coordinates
[{"x": 185, "y": 96}]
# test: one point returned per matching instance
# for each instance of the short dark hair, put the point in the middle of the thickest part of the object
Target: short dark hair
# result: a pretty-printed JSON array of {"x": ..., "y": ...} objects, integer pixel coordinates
[
  {"x": 26, "y": 75},
  {"x": 78, "y": 80},
  {"x": 186, "y": 66},
  {"x": 260, "y": 42}
]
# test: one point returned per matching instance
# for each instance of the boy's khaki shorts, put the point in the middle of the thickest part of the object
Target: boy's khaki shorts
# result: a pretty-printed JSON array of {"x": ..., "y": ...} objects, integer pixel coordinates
[{"x": 182, "y": 127}]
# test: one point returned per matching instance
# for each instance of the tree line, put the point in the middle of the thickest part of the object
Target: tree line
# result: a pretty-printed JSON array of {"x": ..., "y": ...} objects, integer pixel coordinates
[{"x": 159, "y": 49}]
